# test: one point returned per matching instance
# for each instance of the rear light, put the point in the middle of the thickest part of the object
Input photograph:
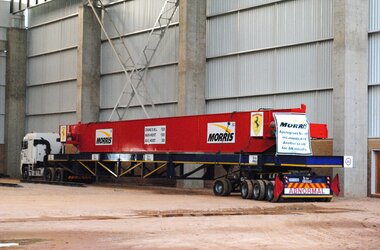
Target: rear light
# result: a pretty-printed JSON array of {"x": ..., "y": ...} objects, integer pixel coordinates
[{"x": 335, "y": 185}]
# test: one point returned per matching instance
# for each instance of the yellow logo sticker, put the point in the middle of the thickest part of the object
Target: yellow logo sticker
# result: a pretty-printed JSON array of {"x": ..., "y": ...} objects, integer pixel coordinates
[{"x": 257, "y": 124}]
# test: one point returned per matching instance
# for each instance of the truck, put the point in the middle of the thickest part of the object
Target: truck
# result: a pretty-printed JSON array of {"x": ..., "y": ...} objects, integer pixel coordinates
[{"x": 263, "y": 154}]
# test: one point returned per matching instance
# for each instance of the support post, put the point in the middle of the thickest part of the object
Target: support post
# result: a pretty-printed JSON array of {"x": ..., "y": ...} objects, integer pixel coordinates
[
  {"x": 88, "y": 66},
  {"x": 15, "y": 99},
  {"x": 192, "y": 57},
  {"x": 191, "y": 66},
  {"x": 350, "y": 97}
]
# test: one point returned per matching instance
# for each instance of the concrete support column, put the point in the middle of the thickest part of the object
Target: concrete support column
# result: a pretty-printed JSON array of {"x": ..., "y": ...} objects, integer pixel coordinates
[
  {"x": 88, "y": 66},
  {"x": 192, "y": 57},
  {"x": 350, "y": 78},
  {"x": 192, "y": 66},
  {"x": 15, "y": 92}
]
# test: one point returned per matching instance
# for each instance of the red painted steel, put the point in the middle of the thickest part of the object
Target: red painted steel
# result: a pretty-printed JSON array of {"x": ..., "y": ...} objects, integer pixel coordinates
[{"x": 183, "y": 134}]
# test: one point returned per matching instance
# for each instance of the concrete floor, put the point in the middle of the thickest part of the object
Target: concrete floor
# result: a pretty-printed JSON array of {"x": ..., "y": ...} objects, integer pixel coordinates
[{"x": 37, "y": 216}]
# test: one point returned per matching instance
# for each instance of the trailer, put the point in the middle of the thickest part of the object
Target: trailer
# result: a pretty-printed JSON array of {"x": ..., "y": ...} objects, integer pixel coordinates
[{"x": 263, "y": 154}]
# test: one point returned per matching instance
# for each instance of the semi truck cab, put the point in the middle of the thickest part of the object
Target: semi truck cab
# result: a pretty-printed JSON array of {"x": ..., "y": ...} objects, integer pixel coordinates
[{"x": 35, "y": 147}]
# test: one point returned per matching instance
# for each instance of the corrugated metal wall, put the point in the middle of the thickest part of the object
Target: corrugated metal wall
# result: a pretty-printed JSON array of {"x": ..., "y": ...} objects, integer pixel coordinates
[
  {"x": 162, "y": 77},
  {"x": 374, "y": 69},
  {"x": 271, "y": 54},
  {"x": 4, "y": 23},
  {"x": 52, "y": 63}
]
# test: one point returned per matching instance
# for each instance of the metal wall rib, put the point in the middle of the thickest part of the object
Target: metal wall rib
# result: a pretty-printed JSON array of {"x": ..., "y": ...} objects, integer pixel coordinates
[
  {"x": 4, "y": 22},
  {"x": 374, "y": 69},
  {"x": 133, "y": 25},
  {"x": 51, "y": 66},
  {"x": 270, "y": 54},
  {"x": 2, "y": 95}
]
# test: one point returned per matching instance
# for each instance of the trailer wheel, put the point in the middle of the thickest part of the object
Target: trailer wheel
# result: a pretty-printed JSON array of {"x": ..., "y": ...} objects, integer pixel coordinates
[
  {"x": 25, "y": 173},
  {"x": 222, "y": 187},
  {"x": 58, "y": 175},
  {"x": 246, "y": 189},
  {"x": 269, "y": 189},
  {"x": 258, "y": 190},
  {"x": 49, "y": 174}
]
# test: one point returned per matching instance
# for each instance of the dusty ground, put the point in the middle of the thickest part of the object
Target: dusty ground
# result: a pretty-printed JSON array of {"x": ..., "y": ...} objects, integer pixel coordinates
[{"x": 38, "y": 216}]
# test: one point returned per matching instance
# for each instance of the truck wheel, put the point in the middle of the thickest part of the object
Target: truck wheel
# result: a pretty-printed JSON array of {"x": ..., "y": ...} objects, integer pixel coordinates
[
  {"x": 25, "y": 173},
  {"x": 246, "y": 189},
  {"x": 58, "y": 175},
  {"x": 269, "y": 189},
  {"x": 222, "y": 187},
  {"x": 258, "y": 190},
  {"x": 49, "y": 174}
]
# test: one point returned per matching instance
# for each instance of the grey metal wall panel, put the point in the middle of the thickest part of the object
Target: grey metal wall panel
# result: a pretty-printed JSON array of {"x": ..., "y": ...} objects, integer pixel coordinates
[
  {"x": 3, "y": 33},
  {"x": 161, "y": 83},
  {"x": 374, "y": 58},
  {"x": 222, "y": 35},
  {"x": 297, "y": 68},
  {"x": 374, "y": 15},
  {"x": 4, "y": 22},
  {"x": 53, "y": 36},
  {"x": 285, "y": 23},
  {"x": 166, "y": 110},
  {"x": 304, "y": 20},
  {"x": 51, "y": 98},
  {"x": 221, "y": 6},
  {"x": 2, "y": 69},
  {"x": 49, "y": 123},
  {"x": 128, "y": 17},
  {"x": 4, "y": 13},
  {"x": 319, "y": 105},
  {"x": 2, "y": 100},
  {"x": 52, "y": 10},
  {"x": 374, "y": 111},
  {"x": 52, "y": 67},
  {"x": 167, "y": 50},
  {"x": 222, "y": 77},
  {"x": 304, "y": 67}
]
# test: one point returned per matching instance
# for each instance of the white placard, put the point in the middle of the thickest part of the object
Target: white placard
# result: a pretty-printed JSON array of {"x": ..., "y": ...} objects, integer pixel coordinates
[
  {"x": 348, "y": 161},
  {"x": 155, "y": 135},
  {"x": 221, "y": 132},
  {"x": 257, "y": 121},
  {"x": 292, "y": 134}
]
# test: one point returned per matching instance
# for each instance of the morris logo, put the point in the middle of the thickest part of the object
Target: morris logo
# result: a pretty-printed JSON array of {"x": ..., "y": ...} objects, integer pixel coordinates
[{"x": 103, "y": 137}]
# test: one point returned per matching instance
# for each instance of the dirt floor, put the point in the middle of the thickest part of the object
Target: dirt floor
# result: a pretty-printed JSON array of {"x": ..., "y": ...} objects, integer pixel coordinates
[{"x": 37, "y": 216}]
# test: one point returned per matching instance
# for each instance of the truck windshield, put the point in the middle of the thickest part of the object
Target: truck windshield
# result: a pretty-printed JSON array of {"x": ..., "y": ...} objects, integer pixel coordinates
[{"x": 24, "y": 144}]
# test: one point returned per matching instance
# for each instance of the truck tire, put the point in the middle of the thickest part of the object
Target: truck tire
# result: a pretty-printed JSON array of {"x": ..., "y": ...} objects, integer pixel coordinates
[
  {"x": 258, "y": 190},
  {"x": 246, "y": 189},
  {"x": 222, "y": 187},
  {"x": 58, "y": 175},
  {"x": 269, "y": 190},
  {"x": 25, "y": 173},
  {"x": 49, "y": 174}
]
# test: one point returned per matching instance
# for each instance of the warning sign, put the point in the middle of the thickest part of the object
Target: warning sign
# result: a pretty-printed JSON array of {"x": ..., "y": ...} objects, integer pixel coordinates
[{"x": 292, "y": 134}]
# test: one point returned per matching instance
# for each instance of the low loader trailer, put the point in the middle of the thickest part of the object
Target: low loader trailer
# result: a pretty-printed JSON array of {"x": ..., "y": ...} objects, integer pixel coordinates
[{"x": 263, "y": 154}]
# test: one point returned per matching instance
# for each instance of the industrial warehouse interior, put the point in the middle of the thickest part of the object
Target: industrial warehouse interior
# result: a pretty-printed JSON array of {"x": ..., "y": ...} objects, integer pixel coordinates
[{"x": 189, "y": 124}]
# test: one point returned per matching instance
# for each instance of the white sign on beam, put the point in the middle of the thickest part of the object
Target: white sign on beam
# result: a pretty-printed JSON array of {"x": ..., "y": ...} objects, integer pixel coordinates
[{"x": 292, "y": 134}]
